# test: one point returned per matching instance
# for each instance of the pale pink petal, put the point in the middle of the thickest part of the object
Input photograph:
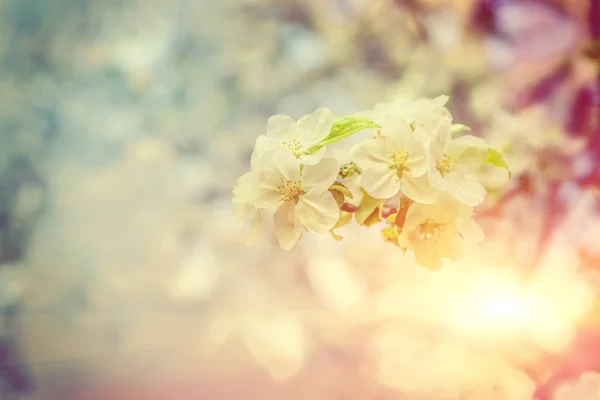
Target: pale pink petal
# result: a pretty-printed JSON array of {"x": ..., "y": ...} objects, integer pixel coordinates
[
  {"x": 320, "y": 177},
  {"x": 288, "y": 227},
  {"x": 381, "y": 182},
  {"x": 371, "y": 154},
  {"x": 313, "y": 158},
  {"x": 318, "y": 212},
  {"x": 280, "y": 128},
  {"x": 418, "y": 189},
  {"x": 314, "y": 127}
]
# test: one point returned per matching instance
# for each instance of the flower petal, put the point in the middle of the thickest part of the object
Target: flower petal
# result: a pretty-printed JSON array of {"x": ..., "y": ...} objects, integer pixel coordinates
[
  {"x": 418, "y": 163},
  {"x": 440, "y": 138},
  {"x": 263, "y": 147},
  {"x": 468, "y": 228},
  {"x": 449, "y": 244},
  {"x": 242, "y": 210},
  {"x": 314, "y": 127},
  {"x": 318, "y": 212},
  {"x": 281, "y": 127},
  {"x": 247, "y": 187},
  {"x": 371, "y": 154},
  {"x": 426, "y": 256},
  {"x": 255, "y": 228},
  {"x": 418, "y": 189},
  {"x": 320, "y": 177},
  {"x": 398, "y": 131},
  {"x": 380, "y": 182},
  {"x": 288, "y": 227},
  {"x": 281, "y": 166},
  {"x": 313, "y": 158},
  {"x": 468, "y": 192},
  {"x": 435, "y": 177},
  {"x": 471, "y": 152},
  {"x": 286, "y": 164},
  {"x": 444, "y": 210}
]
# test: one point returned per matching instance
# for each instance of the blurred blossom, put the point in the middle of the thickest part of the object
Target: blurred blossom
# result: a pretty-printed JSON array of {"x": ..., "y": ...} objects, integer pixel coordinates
[
  {"x": 533, "y": 145},
  {"x": 123, "y": 130},
  {"x": 198, "y": 277},
  {"x": 587, "y": 387},
  {"x": 333, "y": 280}
]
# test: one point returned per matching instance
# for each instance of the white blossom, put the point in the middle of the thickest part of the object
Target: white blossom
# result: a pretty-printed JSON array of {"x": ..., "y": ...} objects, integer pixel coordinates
[
  {"x": 421, "y": 111},
  {"x": 244, "y": 210},
  {"x": 295, "y": 137},
  {"x": 394, "y": 161},
  {"x": 453, "y": 164},
  {"x": 300, "y": 195},
  {"x": 439, "y": 230}
]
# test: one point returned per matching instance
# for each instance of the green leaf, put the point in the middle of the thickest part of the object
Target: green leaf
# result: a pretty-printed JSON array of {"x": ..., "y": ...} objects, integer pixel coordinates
[
  {"x": 456, "y": 128},
  {"x": 344, "y": 127},
  {"x": 495, "y": 158}
]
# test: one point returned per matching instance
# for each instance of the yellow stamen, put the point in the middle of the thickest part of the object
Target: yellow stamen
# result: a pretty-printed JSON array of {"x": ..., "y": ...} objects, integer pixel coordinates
[
  {"x": 290, "y": 190},
  {"x": 293, "y": 146},
  {"x": 430, "y": 230},
  {"x": 399, "y": 159},
  {"x": 446, "y": 164}
]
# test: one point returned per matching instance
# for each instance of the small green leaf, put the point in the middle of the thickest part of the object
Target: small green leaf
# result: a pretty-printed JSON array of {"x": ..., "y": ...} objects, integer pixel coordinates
[
  {"x": 343, "y": 128},
  {"x": 456, "y": 128},
  {"x": 495, "y": 158}
]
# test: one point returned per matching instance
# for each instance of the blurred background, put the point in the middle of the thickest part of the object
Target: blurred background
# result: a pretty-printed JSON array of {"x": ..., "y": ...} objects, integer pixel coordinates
[{"x": 124, "y": 125}]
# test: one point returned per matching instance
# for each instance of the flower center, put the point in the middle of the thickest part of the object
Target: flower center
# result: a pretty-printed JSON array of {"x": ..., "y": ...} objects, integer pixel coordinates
[
  {"x": 290, "y": 190},
  {"x": 430, "y": 229},
  {"x": 347, "y": 170},
  {"x": 293, "y": 146},
  {"x": 446, "y": 164},
  {"x": 399, "y": 159}
]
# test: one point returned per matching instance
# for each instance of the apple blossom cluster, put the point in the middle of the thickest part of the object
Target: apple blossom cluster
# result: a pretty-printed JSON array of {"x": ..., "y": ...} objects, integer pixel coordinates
[{"x": 416, "y": 175}]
